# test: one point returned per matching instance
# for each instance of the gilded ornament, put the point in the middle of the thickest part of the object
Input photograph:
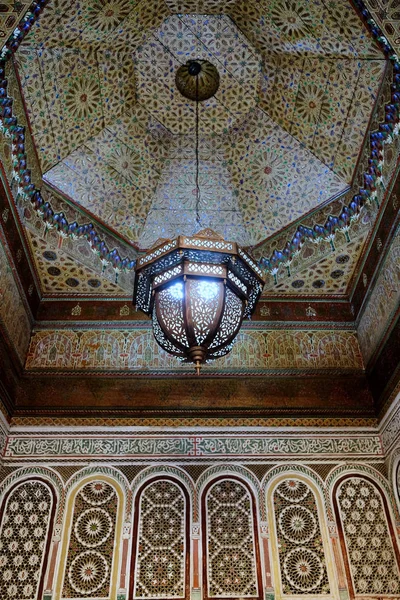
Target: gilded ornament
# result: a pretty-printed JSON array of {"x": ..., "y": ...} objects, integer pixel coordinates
[
  {"x": 124, "y": 310},
  {"x": 76, "y": 310},
  {"x": 265, "y": 311},
  {"x": 197, "y": 80},
  {"x": 311, "y": 312},
  {"x": 5, "y": 214}
]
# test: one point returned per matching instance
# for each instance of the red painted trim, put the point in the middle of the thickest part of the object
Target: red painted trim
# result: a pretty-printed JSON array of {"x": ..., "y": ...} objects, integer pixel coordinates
[
  {"x": 196, "y": 574},
  {"x": 123, "y": 563},
  {"x": 267, "y": 564}
]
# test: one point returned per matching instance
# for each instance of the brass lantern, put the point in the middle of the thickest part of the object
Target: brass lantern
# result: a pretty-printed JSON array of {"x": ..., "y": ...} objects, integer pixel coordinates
[{"x": 197, "y": 291}]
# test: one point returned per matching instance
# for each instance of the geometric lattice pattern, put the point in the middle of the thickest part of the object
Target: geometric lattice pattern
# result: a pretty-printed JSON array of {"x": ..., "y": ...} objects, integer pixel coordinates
[
  {"x": 383, "y": 302},
  {"x": 11, "y": 14},
  {"x": 230, "y": 541},
  {"x": 301, "y": 551},
  {"x": 373, "y": 565},
  {"x": 386, "y": 14},
  {"x": 280, "y": 137},
  {"x": 161, "y": 544},
  {"x": 24, "y": 531},
  {"x": 326, "y": 274},
  {"x": 92, "y": 542}
]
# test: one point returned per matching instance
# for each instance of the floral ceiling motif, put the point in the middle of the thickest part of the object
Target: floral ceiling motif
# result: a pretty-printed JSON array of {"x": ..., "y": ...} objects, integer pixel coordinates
[{"x": 280, "y": 138}]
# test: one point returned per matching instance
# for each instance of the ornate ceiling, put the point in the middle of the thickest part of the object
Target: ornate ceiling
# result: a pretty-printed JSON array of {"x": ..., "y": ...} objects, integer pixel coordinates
[
  {"x": 280, "y": 138},
  {"x": 98, "y": 147},
  {"x": 60, "y": 273},
  {"x": 109, "y": 147}
]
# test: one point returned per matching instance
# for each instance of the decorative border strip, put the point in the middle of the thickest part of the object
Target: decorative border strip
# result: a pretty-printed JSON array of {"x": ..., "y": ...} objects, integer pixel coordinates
[
  {"x": 187, "y": 373},
  {"x": 91, "y": 422},
  {"x": 144, "y": 431},
  {"x": 22, "y": 29},
  {"x": 390, "y": 425},
  {"x": 179, "y": 446},
  {"x": 327, "y": 232},
  {"x": 258, "y": 326}
]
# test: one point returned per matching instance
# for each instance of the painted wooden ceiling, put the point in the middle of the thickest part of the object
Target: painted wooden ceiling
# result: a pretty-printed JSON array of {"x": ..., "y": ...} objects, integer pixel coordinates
[
  {"x": 280, "y": 140},
  {"x": 281, "y": 136}
]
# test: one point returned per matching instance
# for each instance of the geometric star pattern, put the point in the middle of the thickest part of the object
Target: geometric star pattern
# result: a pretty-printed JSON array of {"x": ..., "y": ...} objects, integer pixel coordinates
[
  {"x": 373, "y": 564},
  {"x": 301, "y": 550},
  {"x": 280, "y": 137},
  {"x": 160, "y": 557},
  {"x": 88, "y": 565}
]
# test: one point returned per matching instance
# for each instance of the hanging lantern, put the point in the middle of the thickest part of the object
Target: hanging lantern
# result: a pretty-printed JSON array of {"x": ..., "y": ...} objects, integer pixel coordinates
[{"x": 197, "y": 291}]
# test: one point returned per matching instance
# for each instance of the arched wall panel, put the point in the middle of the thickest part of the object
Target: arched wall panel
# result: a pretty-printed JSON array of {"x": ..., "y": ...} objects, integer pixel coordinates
[
  {"x": 27, "y": 516},
  {"x": 396, "y": 476},
  {"x": 231, "y": 556},
  {"x": 368, "y": 538},
  {"x": 91, "y": 548},
  {"x": 160, "y": 551},
  {"x": 301, "y": 550},
  {"x": 302, "y": 557}
]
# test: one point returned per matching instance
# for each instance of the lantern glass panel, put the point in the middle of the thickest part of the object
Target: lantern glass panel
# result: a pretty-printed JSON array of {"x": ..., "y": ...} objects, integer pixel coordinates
[
  {"x": 204, "y": 302},
  {"x": 230, "y": 322},
  {"x": 169, "y": 307}
]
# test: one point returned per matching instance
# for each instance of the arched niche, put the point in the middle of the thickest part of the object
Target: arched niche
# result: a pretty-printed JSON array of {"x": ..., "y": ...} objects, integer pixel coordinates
[
  {"x": 26, "y": 523},
  {"x": 395, "y": 475},
  {"x": 91, "y": 543},
  {"x": 160, "y": 546},
  {"x": 301, "y": 554},
  {"x": 231, "y": 553},
  {"x": 367, "y": 536}
]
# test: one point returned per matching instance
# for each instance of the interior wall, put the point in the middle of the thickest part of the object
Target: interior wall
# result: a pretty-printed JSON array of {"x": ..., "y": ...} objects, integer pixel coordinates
[
  {"x": 241, "y": 513},
  {"x": 14, "y": 319},
  {"x": 380, "y": 311}
]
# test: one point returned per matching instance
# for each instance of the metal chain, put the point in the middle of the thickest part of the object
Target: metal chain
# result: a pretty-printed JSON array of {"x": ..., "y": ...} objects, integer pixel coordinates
[{"x": 197, "y": 154}]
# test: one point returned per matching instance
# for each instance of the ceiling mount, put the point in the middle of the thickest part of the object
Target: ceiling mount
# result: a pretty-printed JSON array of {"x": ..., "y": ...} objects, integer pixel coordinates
[{"x": 197, "y": 80}]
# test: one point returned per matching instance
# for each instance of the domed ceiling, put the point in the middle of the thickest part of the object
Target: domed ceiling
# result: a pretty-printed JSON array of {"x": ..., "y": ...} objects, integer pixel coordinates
[
  {"x": 280, "y": 138},
  {"x": 98, "y": 162}
]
